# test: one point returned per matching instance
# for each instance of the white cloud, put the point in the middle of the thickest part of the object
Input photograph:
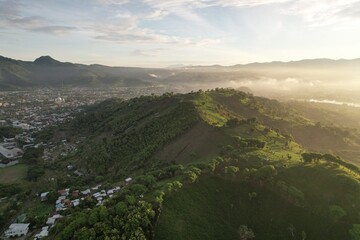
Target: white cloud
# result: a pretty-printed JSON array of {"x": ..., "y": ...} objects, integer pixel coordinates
[
  {"x": 147, "y": 52},
  {"x": 122, "y": 34},
  {"x": 168, "y": 4},
  {"x": 12, "y": 17},
  {"x": 118, "y": 2},
  {"x": 320, "y": 13}
]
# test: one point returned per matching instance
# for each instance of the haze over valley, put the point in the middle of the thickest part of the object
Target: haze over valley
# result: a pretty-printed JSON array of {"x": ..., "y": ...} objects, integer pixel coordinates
[{"x": 202, "y": 119}]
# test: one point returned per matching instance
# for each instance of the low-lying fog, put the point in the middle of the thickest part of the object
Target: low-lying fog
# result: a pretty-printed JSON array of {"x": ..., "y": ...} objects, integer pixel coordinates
[{"x": 334, "y": 83}]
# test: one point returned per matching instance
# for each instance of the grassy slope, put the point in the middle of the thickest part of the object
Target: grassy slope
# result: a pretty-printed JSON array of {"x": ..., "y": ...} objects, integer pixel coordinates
[
  {"x": 214, "y": 208},
  {"x": 13, "y": 174},
  {"x": 123, "y": 136},
  {"x": 292, "y": 119},
  {"x": 157, "y": 131}
]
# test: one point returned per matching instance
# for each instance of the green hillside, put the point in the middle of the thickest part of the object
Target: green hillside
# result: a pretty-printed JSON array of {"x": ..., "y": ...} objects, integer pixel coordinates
[
  {"x": 48, "y": 72},
  {"x": 218, "y": 164}
]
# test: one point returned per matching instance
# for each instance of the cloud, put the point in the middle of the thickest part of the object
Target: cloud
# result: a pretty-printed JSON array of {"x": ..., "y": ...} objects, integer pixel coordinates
[
  {"x": 27, "y": 22},
  {"x": 11, "y": 17},
  {"x": 321, "y": 13},
  {"x": 117, "y": 2},
  {"x": 146, "y": 53},
  {"x": 9, "y": 8},
  {"x": 156, "y": 14},
  {"x": 55, "y": 30},
  {"x": 166, "y": 4},
  {"x": 313, "y": 12},
  {"x": 122, "y": 34},
  {"x": 39, "y": 24},
  {"x": 126, "y": 29}
]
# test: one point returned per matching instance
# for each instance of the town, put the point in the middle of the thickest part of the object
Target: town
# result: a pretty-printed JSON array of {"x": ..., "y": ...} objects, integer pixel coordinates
[
  {"x": 29, "y": 112},
  {"x": 24, "y": 114}
]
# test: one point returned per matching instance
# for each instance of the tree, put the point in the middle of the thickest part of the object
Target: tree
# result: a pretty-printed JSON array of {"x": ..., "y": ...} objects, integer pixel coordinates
[
  {"x": 245, "y": 232},
  {"x": 266, "y": 173},
  {"x": 177, "y": 185},
  {"x": 173, "y": 170},
  {"x": 296, "y": 195},
  {"x": 282, "y": 187},
  {"x": 137, "y": 189},
  {"x": 303, "y": 235},
  {"x": 231, "y": 170},
  {"x": 85, "y": 234},
  {"x": 174, "y": 186},
  {"x": 291, "y": 230},
  {"x": 191, "y": 176},
  {"x": 232, "y": 122},
  {"x": 336, "y": 212},
  {"x": 34, "y": 172},
  {"x": 252, "y": 195},
  {"x": 159, "y": 196},
  {"x": 355, "y": 232}
]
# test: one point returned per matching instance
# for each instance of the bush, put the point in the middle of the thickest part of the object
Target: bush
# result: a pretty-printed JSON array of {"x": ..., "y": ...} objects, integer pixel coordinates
[{"x": 336, "y": 213}]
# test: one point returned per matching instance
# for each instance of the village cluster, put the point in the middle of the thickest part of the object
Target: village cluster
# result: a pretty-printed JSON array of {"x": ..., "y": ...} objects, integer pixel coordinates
[
  {"x": 65, "y": 201},
  {"x": 32, "y": 111}
]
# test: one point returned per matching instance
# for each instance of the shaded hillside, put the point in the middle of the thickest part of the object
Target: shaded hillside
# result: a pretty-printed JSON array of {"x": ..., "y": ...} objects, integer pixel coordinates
[
  {"x": 282, "y": 80},
  {"x": 127, "y": 135},
  {"x": 205, "y": 165},
  {"x": 48, "y": 72}
]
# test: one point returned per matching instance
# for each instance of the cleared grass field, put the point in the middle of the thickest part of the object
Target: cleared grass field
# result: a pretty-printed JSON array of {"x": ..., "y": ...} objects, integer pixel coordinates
[
  {"x": 214, "y": 208},
  {"x": 13, "y": 174}
]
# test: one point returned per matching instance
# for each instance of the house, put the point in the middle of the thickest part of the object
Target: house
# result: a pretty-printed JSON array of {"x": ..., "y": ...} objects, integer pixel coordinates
[
  {"x": 128, "y": 180},
  {"x": 10, "y": 152},
  {"x": 86, "y": 192},
  {"x": 75, "y": 202},
  {"x": 103, "y": 193},
  {"x": 43, "y": 196},
  {"x": 17, "y": 230},
  {"x": 59, "y": 207},
  {"x": 78, "y": 173},
  {"x": 75, "y": 193},
  {"x": 97, "y": 194},
  {"x": 96, "y": 187},
  {"x": 3, "y": 122},
  {"x": 64, "y": 192},
  {"x": 44, "y": 233},
  {"x": 52, "y": 220}
]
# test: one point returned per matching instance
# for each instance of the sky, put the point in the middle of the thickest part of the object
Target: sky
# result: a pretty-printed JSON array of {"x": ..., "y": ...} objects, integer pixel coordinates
[{"x": 161, "y": 33}]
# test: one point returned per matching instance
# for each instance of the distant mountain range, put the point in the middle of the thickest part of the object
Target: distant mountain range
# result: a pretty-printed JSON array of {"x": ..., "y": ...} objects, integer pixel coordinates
[{"x": 48, "y": 72}]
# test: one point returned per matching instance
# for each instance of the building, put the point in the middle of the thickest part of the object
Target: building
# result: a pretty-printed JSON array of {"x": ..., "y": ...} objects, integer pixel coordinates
[
  {"x": 43, "y": 196},
  {"x": 17, "y": 230},
  {"x": 10, "y": 153},
  {"x": 52, "y": 220},
  {"x": 44, "y": 233}
]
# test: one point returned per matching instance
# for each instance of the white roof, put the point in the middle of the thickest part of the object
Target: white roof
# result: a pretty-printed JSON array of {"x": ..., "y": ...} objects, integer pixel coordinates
[
  {"x": 10, "y": 153},
  {"x": 50, "y": 221},
  {"x": 19, "y": 227},
  {"x": 128, "y": 179},
  {"x": 85, "y": 192},
  {"x": 44, "y": 194},
  {"x": 44, "y": 232},
  {"x": 61, "y": 198},
  {"x": 56, "y": 216}
]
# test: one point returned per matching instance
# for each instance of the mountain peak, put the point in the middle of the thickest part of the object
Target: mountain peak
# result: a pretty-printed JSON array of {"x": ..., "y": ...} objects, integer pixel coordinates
[{"x": 46, "y": 60}]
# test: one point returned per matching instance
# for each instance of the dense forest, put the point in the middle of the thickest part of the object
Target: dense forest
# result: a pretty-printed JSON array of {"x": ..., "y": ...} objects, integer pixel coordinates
[{"x": 218, "y": 164}]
